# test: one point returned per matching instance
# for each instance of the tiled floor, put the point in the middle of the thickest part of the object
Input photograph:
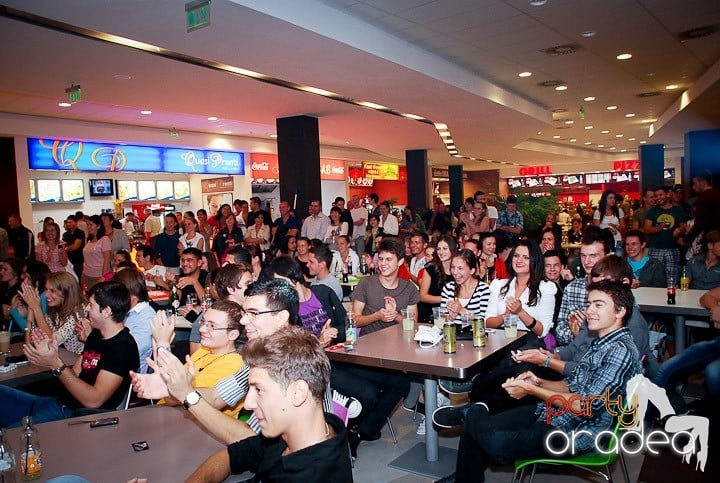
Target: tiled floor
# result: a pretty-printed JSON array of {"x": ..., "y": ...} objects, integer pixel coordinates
[{"x": 373, "y": 458}]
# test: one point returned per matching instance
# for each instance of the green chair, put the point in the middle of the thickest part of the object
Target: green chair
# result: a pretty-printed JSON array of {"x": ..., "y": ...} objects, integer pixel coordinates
[{"x": 589, "y": 462}]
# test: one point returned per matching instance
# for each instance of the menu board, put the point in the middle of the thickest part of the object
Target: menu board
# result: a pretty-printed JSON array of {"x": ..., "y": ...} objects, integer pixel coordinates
[
  {"x": 73, "y": 190},
  {"x": 551, "y": 180},
  {"x": 516, "y": 182},
  {"x": 33, "y": 197},
  {"x": 164, "y": 190},
  {"x": 571, "y": 179},
  {"x": 48, "y": 190},
  {"x": 533, "y": 182},
  {"x": 597, "y": 178},
  {"x": 181, "y": 190},
  {"x": 622, "y": 177},
  {"x": 146, "y": 190},
  {"x": 128, "y": 190}
]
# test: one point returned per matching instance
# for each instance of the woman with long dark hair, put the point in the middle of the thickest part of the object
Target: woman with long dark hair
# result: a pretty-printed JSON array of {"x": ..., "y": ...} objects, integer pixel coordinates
[
  {"x": 465, "y": 295},
  {"x": 228, "y": 236},
  {"x": 609, "y": 215},
  {"x": 490, "y": 264},
  {"x": 97, "y": 253},
  {"x": 437, "y": 274}
]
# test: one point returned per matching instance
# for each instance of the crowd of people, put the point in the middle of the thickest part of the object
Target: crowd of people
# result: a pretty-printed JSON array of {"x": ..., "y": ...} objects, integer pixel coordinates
[{"x": 277, "y": 302}]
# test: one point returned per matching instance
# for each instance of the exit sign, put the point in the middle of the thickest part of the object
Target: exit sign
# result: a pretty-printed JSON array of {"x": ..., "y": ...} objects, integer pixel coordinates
[{"x": 198, "y": 14}]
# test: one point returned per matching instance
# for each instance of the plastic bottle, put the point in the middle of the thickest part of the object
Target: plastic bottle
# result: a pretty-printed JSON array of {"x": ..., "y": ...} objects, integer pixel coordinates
[{"x": 30, "y": 455}]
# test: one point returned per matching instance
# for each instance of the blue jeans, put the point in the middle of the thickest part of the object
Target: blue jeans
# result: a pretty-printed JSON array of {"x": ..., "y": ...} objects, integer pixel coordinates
[
  {"x": 702, "y": 355},
  {"x": 15, "y": 404}
]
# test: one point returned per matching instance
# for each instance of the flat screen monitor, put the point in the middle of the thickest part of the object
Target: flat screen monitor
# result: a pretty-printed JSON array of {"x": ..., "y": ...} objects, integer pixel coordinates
[
  {"x": 101, "y": 187},
  {"x": 73, "y": 190}
]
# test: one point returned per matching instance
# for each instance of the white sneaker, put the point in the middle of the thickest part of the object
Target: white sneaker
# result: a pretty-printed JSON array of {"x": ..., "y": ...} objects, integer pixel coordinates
[
  {"x": 353, "y": 405},
  {"x": 443, "y": 400},
  {"x": 421, "y": 427}
]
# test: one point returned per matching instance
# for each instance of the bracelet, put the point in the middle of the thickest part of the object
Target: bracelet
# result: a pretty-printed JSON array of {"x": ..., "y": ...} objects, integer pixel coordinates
[
  {"x": 547, "y": 360},
  {"x": 534, "y": 323}
]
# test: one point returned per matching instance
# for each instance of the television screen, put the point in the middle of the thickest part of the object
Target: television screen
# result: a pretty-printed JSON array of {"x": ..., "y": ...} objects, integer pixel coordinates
[
  {"x": 127, "y": 190},
  {"x": 146, "y": 190},
  {"x": 101, "y": 187},
  {"x": 182, "y": 190},
  {"x": 33, "y": 197},
  {"x": 72, "y": 190},
  {"x": 165, "y": 190},
  {"x": 48, "y": 191}
]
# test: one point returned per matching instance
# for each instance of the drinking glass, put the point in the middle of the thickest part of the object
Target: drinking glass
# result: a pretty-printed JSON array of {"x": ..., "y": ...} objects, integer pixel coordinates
[
  {"x": 510, "y": 325},
  {"x": 191, "y": 301},
  {"x": 408, "y": 316}
]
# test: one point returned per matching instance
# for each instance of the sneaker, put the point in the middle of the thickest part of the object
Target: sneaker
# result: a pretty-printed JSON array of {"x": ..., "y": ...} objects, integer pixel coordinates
[
  {"x": 421, "y": 427},
  {"x": 443, "y": 400},
  {"x": 353, "y": 405},
  {"x": 411, "y": 400},
  {"x": 449, "y": 417},
  {"x": 455, "y": 387}
]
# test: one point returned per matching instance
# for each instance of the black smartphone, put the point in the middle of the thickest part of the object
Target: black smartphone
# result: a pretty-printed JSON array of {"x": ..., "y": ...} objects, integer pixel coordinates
[{"x": 104, "y": 422}]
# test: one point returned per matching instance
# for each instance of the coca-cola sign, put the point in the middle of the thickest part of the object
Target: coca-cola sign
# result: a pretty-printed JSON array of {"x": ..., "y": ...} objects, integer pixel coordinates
[
  {"x": 264, "y": 166},
  {"x": 332, "y": 169}
]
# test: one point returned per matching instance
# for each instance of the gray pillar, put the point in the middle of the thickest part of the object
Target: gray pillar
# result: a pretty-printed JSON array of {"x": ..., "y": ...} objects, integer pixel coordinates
[
  {"x": 652, "y": 163},
  {"x": 417, "y": 178},
  {"x": 457, "y": 196},
  {"x": 298, "y": 145}
]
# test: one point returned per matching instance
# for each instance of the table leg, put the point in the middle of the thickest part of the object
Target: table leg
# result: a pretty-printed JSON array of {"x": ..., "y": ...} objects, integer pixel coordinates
[
  {"x": 431, "y": 436},
  {"x": 679, "y": 333}
]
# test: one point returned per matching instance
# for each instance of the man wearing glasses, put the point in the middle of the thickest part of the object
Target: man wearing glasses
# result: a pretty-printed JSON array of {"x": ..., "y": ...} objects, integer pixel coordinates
[{"x": 217, "y": 357}]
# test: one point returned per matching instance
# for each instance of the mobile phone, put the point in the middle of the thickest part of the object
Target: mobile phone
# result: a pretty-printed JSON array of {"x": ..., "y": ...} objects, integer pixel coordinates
[{"x": 103, "y": 422}]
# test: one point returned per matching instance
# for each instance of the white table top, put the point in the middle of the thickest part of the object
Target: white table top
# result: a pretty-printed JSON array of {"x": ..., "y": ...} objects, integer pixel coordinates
[{"x": 654, "y": 299}]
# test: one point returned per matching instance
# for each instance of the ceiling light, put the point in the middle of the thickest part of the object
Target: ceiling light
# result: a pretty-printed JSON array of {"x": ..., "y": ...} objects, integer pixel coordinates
[
  {"x": 451, "y": 147},
  {"x": 588, "y": 33},
  {"x": 647, "y": 121},
  {"x": 587, "y": 143},
  {"x": 588, "y": 127},
  {"x": 448, "y": 141},
  {"x": 572, "y": 140},
  {"x": 372, "y": 105},
  {"x": 212, "y": 118},
  {"x": 525, "y": 74},
  {"x": 64, "y": 104},
  {"x": 347, "y": 142},
  {"x": 440, "y": 126},
  {"x": 556, "y": 137},
  {"x": 618, "y": 135},
  {"x": 624, "y": 57},
  {"x": 643, "y": 142},
  {"x": 122, "y": 77},
  {"x": 539, "y": 133},
  {"x": 589, "y": 99},
  {"x": 569, "y": 121},
  {"x": 273, "y": 135},
  {"x": 629, "y": 114},
  {"x": 146, "y": 112},
  {"x": 613, "y": 147},
  {"x": 611, "y": 108},
  {"x": 444, "y": 134},
  {"x": 623, "y": 150},
  {"x": 631, "y": 139},
  {"x": 601, "y": 145},
  {"x": 605, "y": 131},
  {"x": 561, "y": 88},
  {"x": 538, "y": 3},
  {"x": 227, "y": 132},
  {"x": 671, "y": 87},
  {"x": 414, "y": 117}
]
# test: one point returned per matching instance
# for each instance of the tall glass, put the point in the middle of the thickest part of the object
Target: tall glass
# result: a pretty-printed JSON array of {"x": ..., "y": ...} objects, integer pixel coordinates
[
  {"x": 439, "y": 317},
  {"x": 510, "y": 322}
]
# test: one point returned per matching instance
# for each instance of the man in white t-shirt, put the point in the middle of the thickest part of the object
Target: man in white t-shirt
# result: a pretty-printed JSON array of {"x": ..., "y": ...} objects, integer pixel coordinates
[
  {"x": 359, "y": 215},
  {"x": 418, "y": 243},
  {"x": 154, "y": 274},
  {"x": 492, "y": 212}
]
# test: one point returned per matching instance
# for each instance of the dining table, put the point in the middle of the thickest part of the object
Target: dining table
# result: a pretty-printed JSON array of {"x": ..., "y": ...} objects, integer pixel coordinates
[
  {"x": 26, "y": 373},
  {"x": 687, "y": 304},
  {"x": 394, "y": 348}
]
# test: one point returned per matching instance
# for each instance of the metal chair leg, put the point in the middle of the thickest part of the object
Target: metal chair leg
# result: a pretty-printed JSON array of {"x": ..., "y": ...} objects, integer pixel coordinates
[{"x": 392, "y": 431}]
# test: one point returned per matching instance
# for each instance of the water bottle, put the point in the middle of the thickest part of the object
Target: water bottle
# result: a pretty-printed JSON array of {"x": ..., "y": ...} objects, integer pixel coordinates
[
  {"x": 30, "y": 464},
  {"x": 350, "y": 332}
]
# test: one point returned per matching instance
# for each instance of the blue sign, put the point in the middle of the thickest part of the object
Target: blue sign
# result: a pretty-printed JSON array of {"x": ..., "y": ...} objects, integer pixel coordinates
[{"x": 61, "y": 155}]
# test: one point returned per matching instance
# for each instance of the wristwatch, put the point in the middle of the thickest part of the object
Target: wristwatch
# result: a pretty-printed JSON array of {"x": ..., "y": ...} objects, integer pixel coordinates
[
  {"x": 58, "y": 370},
  {"x": 191, "y": 399}
]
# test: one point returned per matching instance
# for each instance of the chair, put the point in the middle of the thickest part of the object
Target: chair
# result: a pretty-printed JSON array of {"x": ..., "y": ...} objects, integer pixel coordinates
[
  {"x": 586, "y": 462},
  {"x": 125, "y": 403}
]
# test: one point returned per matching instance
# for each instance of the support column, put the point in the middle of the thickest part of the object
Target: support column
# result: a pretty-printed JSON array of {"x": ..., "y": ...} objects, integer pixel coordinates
[
  {"x": 417, "y": 178},
  {"x": 652, "y": 163},
  {"x": 298, "y": 145},
  {"x": 701, "y": 155},
  {"x": 456, "y": 187}
]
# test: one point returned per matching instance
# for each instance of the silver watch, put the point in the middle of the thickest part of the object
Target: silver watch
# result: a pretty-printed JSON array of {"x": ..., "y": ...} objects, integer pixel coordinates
[{"x": 191, "y": 399}]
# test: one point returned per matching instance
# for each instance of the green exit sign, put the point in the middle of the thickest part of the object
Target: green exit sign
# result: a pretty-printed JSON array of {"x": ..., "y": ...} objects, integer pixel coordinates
[{"x": 198, "y": 14}]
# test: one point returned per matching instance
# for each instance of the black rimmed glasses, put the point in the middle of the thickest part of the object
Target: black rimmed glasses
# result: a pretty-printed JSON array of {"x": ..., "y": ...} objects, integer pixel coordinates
[{"x": 252, "y": 314}]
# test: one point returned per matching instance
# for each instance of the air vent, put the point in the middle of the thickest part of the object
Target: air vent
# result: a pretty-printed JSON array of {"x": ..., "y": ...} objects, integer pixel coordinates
[
  {"x": 649, "y": 94},
  {"x": 563, "y": 127},
  {"x": 551, "y": 83},
  {"x": 561, "y": 49},
  {"x": 698, "y": 32}
]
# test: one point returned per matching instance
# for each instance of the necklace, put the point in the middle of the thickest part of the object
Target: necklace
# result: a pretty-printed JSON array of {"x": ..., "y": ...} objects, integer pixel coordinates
[{"x": 197, "y": 362}]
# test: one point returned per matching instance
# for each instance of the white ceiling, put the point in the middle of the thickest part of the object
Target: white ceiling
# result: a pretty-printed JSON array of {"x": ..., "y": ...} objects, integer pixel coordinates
[{"x": 450, "y": 61}]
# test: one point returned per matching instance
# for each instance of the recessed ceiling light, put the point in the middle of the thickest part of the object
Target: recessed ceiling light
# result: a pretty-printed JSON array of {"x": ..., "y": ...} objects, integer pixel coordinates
[
  {"x": 64, "y": 104},
  {"x": 539, "y": 133},
  {"x": 587, "y": 143},
  {"x": 623, "y": 150},
  {"x": 227, "y": 132},
  {"x": 611, "y": 108},
  {"x": 605, "y": 131},
  {"x": 212, "y": 118},
  {"x": 618, "y": 135},
  {"x": 643, "y": 142},
  {"x": 572, "y": 140},
  {"x": 629, "y": 114},
  {"x": 588, "y": 33},
  {"x": 525, "y": 74},
  {"x": 589, "y": 99},
  {"x": 556, "y": 137},
  {"x": 624, "y": 57},
  {"x": 561, "y": 88},
  {"x": 613, "y": 147},
  {"x": 601, "y": 145},
  {"x": 631, "y": 139},
  {"x": 569, "y": 121},
  {"x": 146, "y": 112},
  {"x": 588, "y": 127},
  {"x": 347, "y": 142},
  {"x": 671, "y": 87},
  {"x": 273, "y": 135}
]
